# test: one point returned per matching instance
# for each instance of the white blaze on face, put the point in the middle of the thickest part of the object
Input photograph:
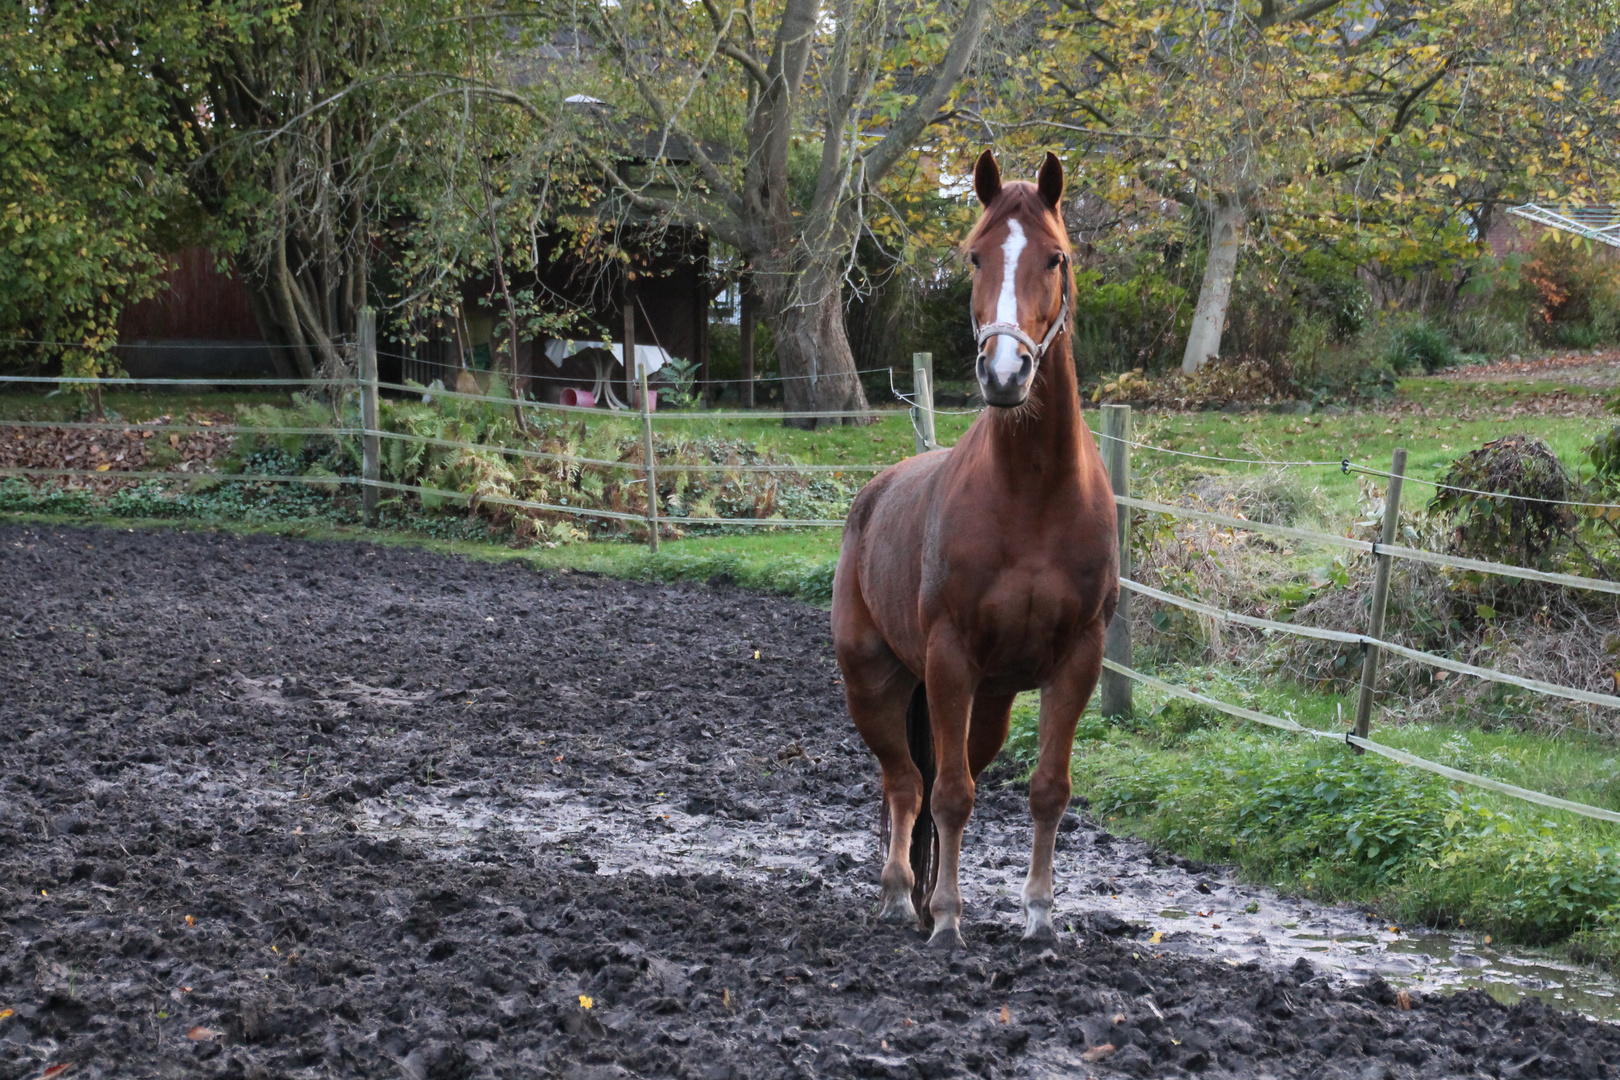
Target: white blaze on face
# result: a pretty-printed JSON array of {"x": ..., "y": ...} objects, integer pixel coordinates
[{"x": 1004, "y": 359}]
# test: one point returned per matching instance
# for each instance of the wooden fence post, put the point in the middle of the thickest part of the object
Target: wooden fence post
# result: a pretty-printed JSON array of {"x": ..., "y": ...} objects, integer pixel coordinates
[
  {"x": 1380, "y": 597},
  {"x": 922, "y": 414},
  {"x": 650, "y": 471},
  {"x": 370, "y": 441},
  {"x": 1116, "y": 688}
]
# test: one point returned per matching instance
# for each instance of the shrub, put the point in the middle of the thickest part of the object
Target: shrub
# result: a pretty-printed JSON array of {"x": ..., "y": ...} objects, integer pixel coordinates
[
  {"x": 1573, "y": 293},
  {"x": 1419, "y": 346},
  {"x": 458, "y": 446},
  {"x": 1486, "y": 332}
]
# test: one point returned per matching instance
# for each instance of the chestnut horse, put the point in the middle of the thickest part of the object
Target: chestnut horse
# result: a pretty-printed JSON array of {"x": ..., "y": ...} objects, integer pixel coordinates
[{"x": 971, "y": 574}]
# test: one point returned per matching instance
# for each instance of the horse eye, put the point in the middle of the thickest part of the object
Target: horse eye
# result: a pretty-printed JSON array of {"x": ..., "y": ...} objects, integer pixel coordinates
[{"x": 1057, "y": 261}]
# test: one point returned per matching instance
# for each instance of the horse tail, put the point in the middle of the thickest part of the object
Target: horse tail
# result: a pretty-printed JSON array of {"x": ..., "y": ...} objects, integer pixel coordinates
[{"x": 924, "y": 840}]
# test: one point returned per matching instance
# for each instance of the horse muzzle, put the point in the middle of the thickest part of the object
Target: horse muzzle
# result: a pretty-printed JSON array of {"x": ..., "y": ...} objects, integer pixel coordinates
[{"x": 1010, "y": 391}]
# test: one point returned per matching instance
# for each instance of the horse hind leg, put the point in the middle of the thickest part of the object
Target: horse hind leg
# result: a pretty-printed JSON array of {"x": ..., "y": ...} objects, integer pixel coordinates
[{"x": 1050, "y": 784}]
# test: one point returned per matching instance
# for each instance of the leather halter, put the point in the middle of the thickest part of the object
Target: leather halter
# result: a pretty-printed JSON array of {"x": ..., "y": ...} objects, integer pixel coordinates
[{"x": 984, "y": 333}]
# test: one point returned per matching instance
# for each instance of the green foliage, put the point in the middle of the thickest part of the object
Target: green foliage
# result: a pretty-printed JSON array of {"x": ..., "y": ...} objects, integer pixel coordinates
[
  {"x": 88, "y": 166},
  {"x": 1130, "y": 313},
  {"x": 675, "y": 381},
  {"x": 1488, "y": 331},
  {"x": 1332, "y": 821}
]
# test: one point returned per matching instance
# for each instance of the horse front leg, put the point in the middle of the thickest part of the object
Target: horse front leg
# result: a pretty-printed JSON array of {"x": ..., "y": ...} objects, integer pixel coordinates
[
  {"x": 951, "y": 681},
  {"x": 1050, "y": 785}
]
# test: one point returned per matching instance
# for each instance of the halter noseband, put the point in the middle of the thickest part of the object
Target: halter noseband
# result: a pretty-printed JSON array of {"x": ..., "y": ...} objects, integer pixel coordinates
[{"x": 984, "y": 333}]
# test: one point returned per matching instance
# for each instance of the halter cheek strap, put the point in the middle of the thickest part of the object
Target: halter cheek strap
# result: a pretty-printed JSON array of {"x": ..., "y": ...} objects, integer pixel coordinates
[{"x": 984, "y": 333}]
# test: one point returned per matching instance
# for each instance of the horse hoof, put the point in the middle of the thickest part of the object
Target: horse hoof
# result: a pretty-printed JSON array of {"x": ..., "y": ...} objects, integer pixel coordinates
[
  {"x": 1040, "y": 936},
  {"x": 898, "y": 911},
  {"x": 947, "y": 939},
  {"x": 1038, "y": 929}
]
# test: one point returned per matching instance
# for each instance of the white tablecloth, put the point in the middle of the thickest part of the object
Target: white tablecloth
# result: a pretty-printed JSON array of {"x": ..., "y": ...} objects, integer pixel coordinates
[{"x": 650, "y": 356}]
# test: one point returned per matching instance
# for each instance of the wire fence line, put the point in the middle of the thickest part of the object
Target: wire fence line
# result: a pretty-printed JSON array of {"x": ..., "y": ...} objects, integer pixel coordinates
[{"x": 1381, "y": 551}]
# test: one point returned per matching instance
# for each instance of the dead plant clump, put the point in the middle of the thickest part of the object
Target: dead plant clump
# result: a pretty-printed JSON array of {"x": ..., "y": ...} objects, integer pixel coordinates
[
  {"x": 1218, "y": 384},
  {"x": 1504, "y": 502},
  {"x": 1226, "y": 568},
  {"x": 1527, "y": 629}
]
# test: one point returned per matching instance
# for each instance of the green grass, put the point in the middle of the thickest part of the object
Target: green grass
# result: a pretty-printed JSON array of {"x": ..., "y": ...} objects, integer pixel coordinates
[
  {"x": 1309, "y": 816},
  {"x": 132, "y": 405}
]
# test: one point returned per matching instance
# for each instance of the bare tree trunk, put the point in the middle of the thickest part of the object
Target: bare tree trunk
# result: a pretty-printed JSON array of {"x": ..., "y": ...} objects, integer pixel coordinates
[
  {"x": 806, "y": 317},
  {"x": 1209, "y": 317}
]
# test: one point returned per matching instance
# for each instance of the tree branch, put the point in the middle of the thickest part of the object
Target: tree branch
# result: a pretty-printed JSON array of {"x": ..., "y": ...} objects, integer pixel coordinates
[
  {"x": 903, "y": 133},
  {"x": 733, "y": 51}
]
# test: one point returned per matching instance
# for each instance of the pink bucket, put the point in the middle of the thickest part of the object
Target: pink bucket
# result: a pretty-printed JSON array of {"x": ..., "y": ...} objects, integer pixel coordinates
[
  {"x": 583, "y": 399},
  {"x": 652, "y": 399}
]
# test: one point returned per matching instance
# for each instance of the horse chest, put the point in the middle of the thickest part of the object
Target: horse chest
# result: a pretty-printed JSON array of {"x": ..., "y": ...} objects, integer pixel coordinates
[{"x": 1023, "y": 622}]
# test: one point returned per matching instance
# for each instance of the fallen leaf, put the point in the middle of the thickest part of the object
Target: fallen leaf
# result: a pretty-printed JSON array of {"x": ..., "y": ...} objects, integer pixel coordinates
[
  {"x": 1403, "y": 1000},
  {"x": 586, "y": 1001},
  {"x": 1097, "y": 1053},
  {"x": 1006, "y": 1014},
  {"x": 56, "y": 1070},
  {"x": 6, "y": 1012},
  {"x": 1118, "y": 1018},
  {"x": 725, "y": 997},
  {"x": 103, "y": 467},
  {"x": 1158, "y": 936},
  {"x": 202, "y": 1034},
  {"x": 191, "y": 921}
]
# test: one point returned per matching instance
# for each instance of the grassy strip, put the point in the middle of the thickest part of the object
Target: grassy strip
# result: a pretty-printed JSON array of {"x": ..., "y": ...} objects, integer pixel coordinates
[
  {"x": 792, "y": 562},
  {"x": 1310, "y": 817}
]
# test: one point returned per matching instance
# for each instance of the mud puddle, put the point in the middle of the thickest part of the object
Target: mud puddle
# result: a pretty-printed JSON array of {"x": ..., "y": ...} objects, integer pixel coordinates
[{"x": 1175, "y": 910}]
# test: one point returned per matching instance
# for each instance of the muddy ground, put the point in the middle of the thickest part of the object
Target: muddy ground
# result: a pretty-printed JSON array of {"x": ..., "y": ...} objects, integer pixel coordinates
[{"x": 276, "y": 808}]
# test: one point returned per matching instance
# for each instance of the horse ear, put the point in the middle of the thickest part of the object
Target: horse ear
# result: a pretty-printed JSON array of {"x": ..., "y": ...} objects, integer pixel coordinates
[
  {"x": 987, "y": 178},
  {"x": 1051, "y": 180}
]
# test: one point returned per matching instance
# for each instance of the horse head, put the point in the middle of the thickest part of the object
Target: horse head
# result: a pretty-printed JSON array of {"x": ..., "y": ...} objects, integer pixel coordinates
[{"x": 1021, "y": 278}]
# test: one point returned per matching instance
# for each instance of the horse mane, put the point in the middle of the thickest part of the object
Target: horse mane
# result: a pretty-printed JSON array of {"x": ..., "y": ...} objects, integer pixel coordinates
[{"x": 1021, "y": 199}]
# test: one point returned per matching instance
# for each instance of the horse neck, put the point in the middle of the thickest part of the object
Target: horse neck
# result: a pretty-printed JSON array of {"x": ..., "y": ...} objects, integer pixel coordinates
[{"x": 1044, "y": 437}]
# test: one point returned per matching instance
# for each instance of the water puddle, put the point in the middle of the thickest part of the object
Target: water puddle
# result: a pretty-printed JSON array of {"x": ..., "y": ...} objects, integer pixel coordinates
[{"x": 1207, "y": 916}]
